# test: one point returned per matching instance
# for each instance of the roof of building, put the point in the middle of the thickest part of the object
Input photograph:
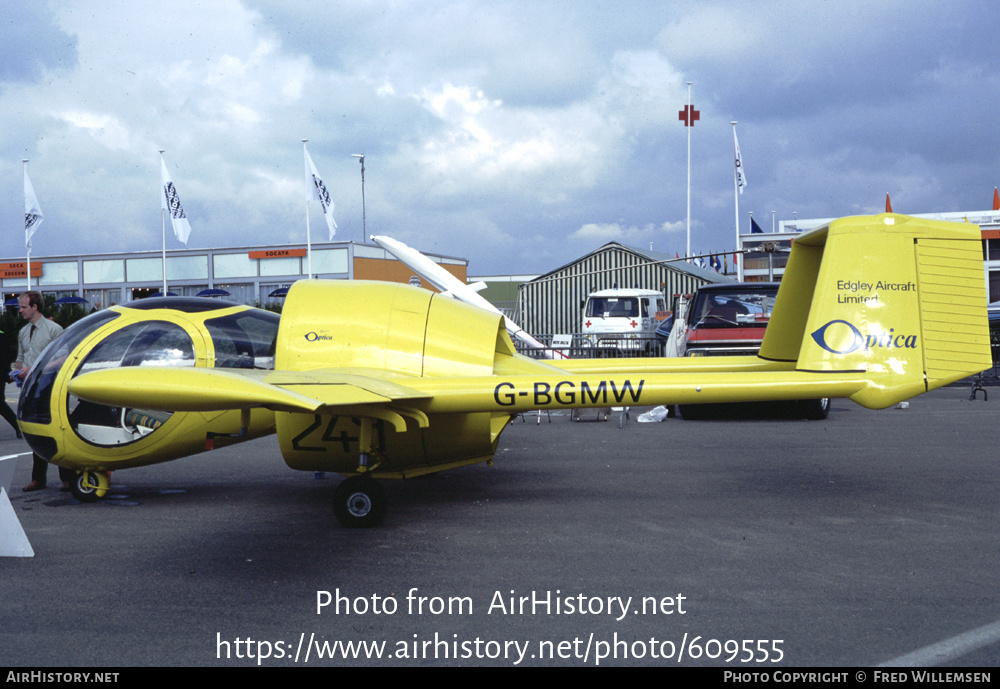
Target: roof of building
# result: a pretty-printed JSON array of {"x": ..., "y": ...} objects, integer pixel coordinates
[{"x": 672, "y": 262}]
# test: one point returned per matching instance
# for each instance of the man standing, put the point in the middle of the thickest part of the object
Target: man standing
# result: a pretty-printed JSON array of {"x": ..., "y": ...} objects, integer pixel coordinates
[{"x": 31, "y": 340}]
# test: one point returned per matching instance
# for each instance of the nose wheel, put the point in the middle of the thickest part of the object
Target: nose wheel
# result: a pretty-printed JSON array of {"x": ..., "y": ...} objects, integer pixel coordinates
[
  {"x": 359, "y": 502},
  {"x": 90, "y": 486}
]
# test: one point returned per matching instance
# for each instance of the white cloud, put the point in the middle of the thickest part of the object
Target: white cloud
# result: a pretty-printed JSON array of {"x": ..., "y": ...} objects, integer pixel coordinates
[
  {"x": 480, "y": 142},
  {"x": 104, "y": 128},
  {"x": 656, "y": 234}
]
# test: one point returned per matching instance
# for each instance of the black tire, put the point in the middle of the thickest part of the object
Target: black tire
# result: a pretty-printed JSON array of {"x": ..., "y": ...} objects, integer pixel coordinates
[
  {"x": 692, "y": 412},
  {"x": 359, "y": 502},
  {"x": 814, "y": 410},
  {"x": 86, "y": 487}
]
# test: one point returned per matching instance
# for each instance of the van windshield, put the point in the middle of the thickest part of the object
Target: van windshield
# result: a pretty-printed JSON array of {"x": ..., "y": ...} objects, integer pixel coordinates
[{"x": 613, "y": 307}]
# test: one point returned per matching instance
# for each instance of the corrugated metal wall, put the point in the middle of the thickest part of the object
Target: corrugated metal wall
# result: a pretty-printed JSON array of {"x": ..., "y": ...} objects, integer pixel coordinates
[{"x": 553, "y": 303}]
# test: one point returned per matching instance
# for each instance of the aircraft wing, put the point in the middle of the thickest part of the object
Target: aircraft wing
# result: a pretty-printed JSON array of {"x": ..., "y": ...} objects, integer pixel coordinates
[{"x": 209, "y": 389}]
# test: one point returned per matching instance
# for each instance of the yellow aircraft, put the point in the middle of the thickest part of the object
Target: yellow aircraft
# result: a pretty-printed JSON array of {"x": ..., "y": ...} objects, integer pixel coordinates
[{"x": 381, "y": 380}]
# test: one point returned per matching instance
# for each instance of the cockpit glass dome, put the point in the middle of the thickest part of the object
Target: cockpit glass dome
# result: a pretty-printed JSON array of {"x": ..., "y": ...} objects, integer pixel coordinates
[
  {"x": 148, "y": 343},
  {"x": 37, "y": 390}
]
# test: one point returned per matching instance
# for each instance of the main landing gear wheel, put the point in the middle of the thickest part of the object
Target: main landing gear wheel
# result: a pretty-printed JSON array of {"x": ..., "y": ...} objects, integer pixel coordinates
[
  {"x": 815, "y": 410},
  {"x": 359, "y": 502},
  {"x": 90, "y": 486}
]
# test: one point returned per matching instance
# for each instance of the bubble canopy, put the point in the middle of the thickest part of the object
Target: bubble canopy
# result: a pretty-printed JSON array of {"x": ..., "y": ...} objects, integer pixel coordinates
[{"x": 162, "y": 332}]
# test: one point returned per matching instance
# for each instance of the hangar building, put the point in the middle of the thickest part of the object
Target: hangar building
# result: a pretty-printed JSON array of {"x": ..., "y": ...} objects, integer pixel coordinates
[{"x": 553, "y": 302}]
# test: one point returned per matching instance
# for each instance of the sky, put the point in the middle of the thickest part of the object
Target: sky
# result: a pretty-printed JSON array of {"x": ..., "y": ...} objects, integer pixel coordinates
[{"x": 517, "y": 134}]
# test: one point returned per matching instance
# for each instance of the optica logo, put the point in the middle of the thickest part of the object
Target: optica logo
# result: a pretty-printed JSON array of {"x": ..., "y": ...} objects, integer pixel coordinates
[
  {"x": 312, "y": 337},
  {"x": 842, "y": 337}
]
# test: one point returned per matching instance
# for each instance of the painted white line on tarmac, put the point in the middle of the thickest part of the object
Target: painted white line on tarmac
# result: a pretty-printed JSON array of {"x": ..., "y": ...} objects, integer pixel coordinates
[{"x": 949, "y": 649}]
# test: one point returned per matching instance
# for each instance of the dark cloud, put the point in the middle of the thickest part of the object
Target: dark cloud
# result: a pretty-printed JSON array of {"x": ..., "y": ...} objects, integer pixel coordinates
[{"x": 30, "y": 43}]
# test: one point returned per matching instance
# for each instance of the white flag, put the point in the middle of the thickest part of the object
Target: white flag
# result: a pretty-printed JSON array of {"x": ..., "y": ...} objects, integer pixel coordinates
[
  {"x": 741, "y": 178},
  {"x": 316, "y": 190},
  {"x": 32, "y": 213},
  {"x": 170, "y": 202}
]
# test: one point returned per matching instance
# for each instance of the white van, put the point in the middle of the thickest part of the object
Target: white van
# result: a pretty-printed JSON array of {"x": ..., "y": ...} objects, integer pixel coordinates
[{"x": 613, "y": 315}]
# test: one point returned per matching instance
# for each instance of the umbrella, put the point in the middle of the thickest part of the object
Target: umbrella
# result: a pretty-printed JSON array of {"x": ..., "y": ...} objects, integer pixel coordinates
[
  {"x": 213, "y": 293},
  {"x": 160, "y": 294},
  {"x": 12, "y": 302},
  {"x": 280, "y": 292},
  {"x": 71, "y": 300}
]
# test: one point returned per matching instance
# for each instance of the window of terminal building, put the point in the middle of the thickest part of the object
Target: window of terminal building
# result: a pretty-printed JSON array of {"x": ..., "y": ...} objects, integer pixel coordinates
[
  {"x": 238, "y": 293},
  {"x": 178, "y": 268},
  {"x": 226, "y": 266},
  {"x": 103, "y": 298},
  {"x": 111, "y": 270},
  {"x": 59, "y": 273},
  {"x": 329, "y": 261},
  {"x": 272, "y": 267},
  {"x": 994, "y": 285}
]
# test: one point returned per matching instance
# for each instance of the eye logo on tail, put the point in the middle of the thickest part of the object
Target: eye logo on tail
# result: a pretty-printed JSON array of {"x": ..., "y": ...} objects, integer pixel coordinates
[
  {"x": 842, "y": 337},
  {"x": 838, "y": 337}
]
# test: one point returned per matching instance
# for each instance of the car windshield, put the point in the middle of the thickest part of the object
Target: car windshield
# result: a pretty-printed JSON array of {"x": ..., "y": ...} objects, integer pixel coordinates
[{"x": 737, "y": 308}]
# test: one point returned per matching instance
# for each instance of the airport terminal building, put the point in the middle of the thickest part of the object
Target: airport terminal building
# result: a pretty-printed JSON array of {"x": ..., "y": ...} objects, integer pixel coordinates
[
  {"x": 248, "y": 274},
  {"x": 767, "y": 252}
]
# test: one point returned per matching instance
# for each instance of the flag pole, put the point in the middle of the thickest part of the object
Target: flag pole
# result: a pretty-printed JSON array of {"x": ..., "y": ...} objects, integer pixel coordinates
[
  {"x": 27, "y": 242},
  {"x": 364, "y": 221},
  {"x": 170, "y": 202},
  {"x": 736, "y": 199},
  {"x": 691, "y": 123},
  {"x": 163, "y": 228},
  {"x": 309, "y": 256},
  {"x": 32, "y": 218},
  {"x": 688, "y": 116}
]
